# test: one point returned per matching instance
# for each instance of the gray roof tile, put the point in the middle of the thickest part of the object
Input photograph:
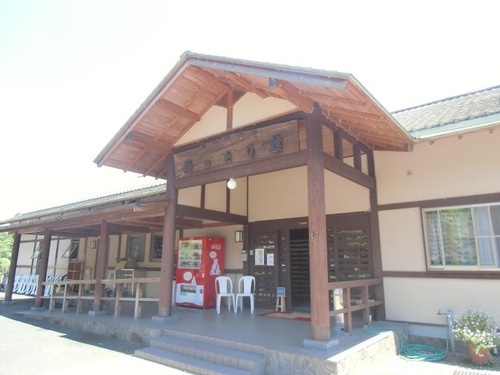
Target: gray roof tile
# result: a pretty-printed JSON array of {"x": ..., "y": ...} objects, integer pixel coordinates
[{"x": 462, "y": 112}]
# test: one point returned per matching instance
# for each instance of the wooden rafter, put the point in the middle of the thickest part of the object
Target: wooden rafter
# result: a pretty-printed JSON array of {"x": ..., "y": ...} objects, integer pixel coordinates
[
  {"x": 288, "y": 91},
  {"x": 165, "y": 105},
  {"x": 247, "y": 85}
]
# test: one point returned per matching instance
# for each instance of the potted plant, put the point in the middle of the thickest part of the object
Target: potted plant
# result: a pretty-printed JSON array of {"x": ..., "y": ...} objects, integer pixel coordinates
[{"x": 477, "y": 330}]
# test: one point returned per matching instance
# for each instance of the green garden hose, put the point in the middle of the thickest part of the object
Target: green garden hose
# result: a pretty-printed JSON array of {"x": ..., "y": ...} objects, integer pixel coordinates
[{"x": 415, "y": 352}]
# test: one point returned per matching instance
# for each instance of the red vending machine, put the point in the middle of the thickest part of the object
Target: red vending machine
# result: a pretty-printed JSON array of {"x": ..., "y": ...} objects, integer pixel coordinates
[{"x": 201, "y": 260}]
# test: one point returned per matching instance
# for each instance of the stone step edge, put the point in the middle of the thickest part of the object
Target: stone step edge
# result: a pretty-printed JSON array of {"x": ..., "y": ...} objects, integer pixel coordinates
[
  {"x": 256, "y": 349},
  {"x": 188, "y": 363},
  {"x": 208, "y": 351}
]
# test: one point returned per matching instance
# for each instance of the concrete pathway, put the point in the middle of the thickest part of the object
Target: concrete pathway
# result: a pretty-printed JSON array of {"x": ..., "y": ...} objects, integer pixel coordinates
[{"x": 43, "y": 349}]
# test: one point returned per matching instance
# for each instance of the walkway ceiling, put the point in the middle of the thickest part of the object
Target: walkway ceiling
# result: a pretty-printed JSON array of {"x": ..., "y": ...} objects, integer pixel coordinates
[{"x": 199, "y": 82}]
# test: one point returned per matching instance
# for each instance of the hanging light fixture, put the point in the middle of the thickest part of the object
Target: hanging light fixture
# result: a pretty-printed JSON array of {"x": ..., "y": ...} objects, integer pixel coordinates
[{"x": 231, "y": 183}]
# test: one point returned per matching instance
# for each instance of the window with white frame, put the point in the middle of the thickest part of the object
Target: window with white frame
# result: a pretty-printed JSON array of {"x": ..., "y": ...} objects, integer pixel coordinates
[{"x": 466, "y": 237}]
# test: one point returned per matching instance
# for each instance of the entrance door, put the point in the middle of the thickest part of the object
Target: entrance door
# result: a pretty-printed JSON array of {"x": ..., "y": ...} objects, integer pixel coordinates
[{"x": 299, "y": 269}]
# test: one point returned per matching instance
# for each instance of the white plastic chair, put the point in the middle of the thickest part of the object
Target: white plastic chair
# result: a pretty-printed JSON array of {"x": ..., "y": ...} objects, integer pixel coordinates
[
  {"x": 246, "y": 288},
  {"x": 224, "y": 288}
]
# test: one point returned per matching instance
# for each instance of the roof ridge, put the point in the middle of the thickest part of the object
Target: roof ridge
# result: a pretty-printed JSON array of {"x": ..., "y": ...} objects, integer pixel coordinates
[{"x": 447, "y": 99}]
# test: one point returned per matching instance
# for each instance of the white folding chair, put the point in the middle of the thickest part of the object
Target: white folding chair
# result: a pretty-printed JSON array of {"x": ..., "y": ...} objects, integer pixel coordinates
[
  {"x": 224, "y": 288},
  {"x": 246, "y": 288}
]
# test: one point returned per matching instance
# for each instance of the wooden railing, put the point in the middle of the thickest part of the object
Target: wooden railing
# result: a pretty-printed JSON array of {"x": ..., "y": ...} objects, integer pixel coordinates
[
  {"x": 139, "y": 284},
  {"x": 363, "y": 302},
  {"x": 63, "y": 290},
  {"x": 67, "y": 286}
]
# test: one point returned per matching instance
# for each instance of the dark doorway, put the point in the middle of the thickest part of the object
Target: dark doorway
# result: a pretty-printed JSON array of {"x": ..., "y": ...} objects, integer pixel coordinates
[{"x": 299, "y": 269}]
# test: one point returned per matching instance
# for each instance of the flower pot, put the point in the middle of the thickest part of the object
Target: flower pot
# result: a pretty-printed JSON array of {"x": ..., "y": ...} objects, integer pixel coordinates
[{"x": 480, "y": 358}]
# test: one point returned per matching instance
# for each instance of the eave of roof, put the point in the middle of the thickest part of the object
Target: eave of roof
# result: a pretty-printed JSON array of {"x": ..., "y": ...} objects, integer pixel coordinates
[
  {"x": 83, "y": 207},
  {"x": 198, "y": 82},
  {"x": 458, "y": 114}
]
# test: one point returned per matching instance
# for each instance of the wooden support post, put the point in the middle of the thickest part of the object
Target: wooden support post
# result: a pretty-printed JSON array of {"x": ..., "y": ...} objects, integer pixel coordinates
[
  {"x": 118, "y": 296},
  {"x": 138, "y": 295},
  {"x": 230, "y": 105},
  {"x": 318, "y": 257},
  {"x": 375, "y": 240},
  {"x": 102, "y": 259},
  {"x": 12, "y": 267},
  {"x": 168, "y": 250},
  {"x": 347, "y": 306},
  {"x": 44, "y": 263},
  {"x": 79, "y": 299}
]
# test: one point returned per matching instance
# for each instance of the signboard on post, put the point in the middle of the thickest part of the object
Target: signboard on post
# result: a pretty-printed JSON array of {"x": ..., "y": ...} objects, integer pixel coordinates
[{"x": 281, "y": 291}]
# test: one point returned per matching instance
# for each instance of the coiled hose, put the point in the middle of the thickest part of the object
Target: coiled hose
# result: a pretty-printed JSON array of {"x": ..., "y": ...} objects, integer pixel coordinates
[{"x": 415, "y": 352}]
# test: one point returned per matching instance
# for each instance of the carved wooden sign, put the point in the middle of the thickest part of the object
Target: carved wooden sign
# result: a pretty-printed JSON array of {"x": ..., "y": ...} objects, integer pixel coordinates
[{"x": 238, "y": 148}]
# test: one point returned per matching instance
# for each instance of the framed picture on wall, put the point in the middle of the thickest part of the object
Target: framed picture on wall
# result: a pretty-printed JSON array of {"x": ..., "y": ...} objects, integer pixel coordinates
[{"x": 156, "y": 247}]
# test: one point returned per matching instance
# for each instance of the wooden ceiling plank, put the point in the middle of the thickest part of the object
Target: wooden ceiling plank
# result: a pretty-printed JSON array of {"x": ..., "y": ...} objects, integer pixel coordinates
[
  {"x": 136, "y": 158},
  {"x": 358, "y": 135},
  {"x": 155, "y": 164},
  {"x": 289, "y": 92},
  {"x": 146, "y": 141},
  {"x": 330, "y": 99},
  {"x": 168, "y": 106},
  {"x": 246, "y": 84},
  {"x": 213, "y": 80},
  {"x": 182, "y": 222},
  {"x": 357, "y": 114}
]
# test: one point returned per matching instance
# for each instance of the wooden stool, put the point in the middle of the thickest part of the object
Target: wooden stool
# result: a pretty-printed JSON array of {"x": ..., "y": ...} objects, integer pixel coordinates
[{"x": 280, "y": 304}]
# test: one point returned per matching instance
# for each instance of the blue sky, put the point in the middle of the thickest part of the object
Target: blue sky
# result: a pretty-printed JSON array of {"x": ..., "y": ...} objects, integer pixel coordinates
[{"x": 72, "y": 72}]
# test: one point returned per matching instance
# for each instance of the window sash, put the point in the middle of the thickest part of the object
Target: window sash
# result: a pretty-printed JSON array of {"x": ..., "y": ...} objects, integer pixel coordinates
[{"x": 463, "y": 237}]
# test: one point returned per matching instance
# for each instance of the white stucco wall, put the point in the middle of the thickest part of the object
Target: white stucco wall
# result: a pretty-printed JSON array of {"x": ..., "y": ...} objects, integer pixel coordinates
[
  {"x": 248, "y": 110},
  {"x": 283, "y": 194},
  {"x": 420, "y": 299},
  {"x": 450, "y": 167}
]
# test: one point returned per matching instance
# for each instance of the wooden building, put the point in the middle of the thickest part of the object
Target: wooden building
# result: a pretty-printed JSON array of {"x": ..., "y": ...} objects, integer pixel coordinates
[{"x": 332, "y": 191}]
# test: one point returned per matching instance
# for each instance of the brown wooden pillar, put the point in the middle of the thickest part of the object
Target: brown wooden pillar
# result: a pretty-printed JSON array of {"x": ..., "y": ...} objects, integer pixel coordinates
[
  {"x": 375, "y": 239},
  {"x": 168, "y": 245},
  {"x": 318, "y": 254},
  {"x": 44, "y": 263},
  {"x": 102, "y": 264},
  {"x": 13, "y": 266}
]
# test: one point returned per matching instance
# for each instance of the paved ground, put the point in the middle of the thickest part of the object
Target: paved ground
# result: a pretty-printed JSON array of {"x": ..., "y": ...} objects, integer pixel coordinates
[{"x": 32, "y": 347}]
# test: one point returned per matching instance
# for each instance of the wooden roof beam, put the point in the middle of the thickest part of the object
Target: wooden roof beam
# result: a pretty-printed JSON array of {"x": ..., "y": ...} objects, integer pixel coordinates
[
  {"x": 151, "y": 143},
  {"x": 356, "y": 114},
  {"x": 213, "y": 80},
  {"x": 161, "y": 159},
  {"x": 267, "y": 70},
  {"x": 168, "y": 106},
  {"x": 247, "y": 85},
  {"x": 182, "y": 222},
  {"x": 334, "y": 99},
  {"x": 289, "y": 92},
  {"x": 139, "y": 155}
]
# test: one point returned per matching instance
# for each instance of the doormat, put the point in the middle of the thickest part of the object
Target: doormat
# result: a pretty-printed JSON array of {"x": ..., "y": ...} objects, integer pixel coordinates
[{"x": 288, "y": 315}]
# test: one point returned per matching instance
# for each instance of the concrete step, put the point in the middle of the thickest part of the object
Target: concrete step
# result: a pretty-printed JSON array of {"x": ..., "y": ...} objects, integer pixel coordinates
[
  {"x": 187, "y": 363},
  {"x": 204, "y": 355},
  {"x": 257, "y": 349}
]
